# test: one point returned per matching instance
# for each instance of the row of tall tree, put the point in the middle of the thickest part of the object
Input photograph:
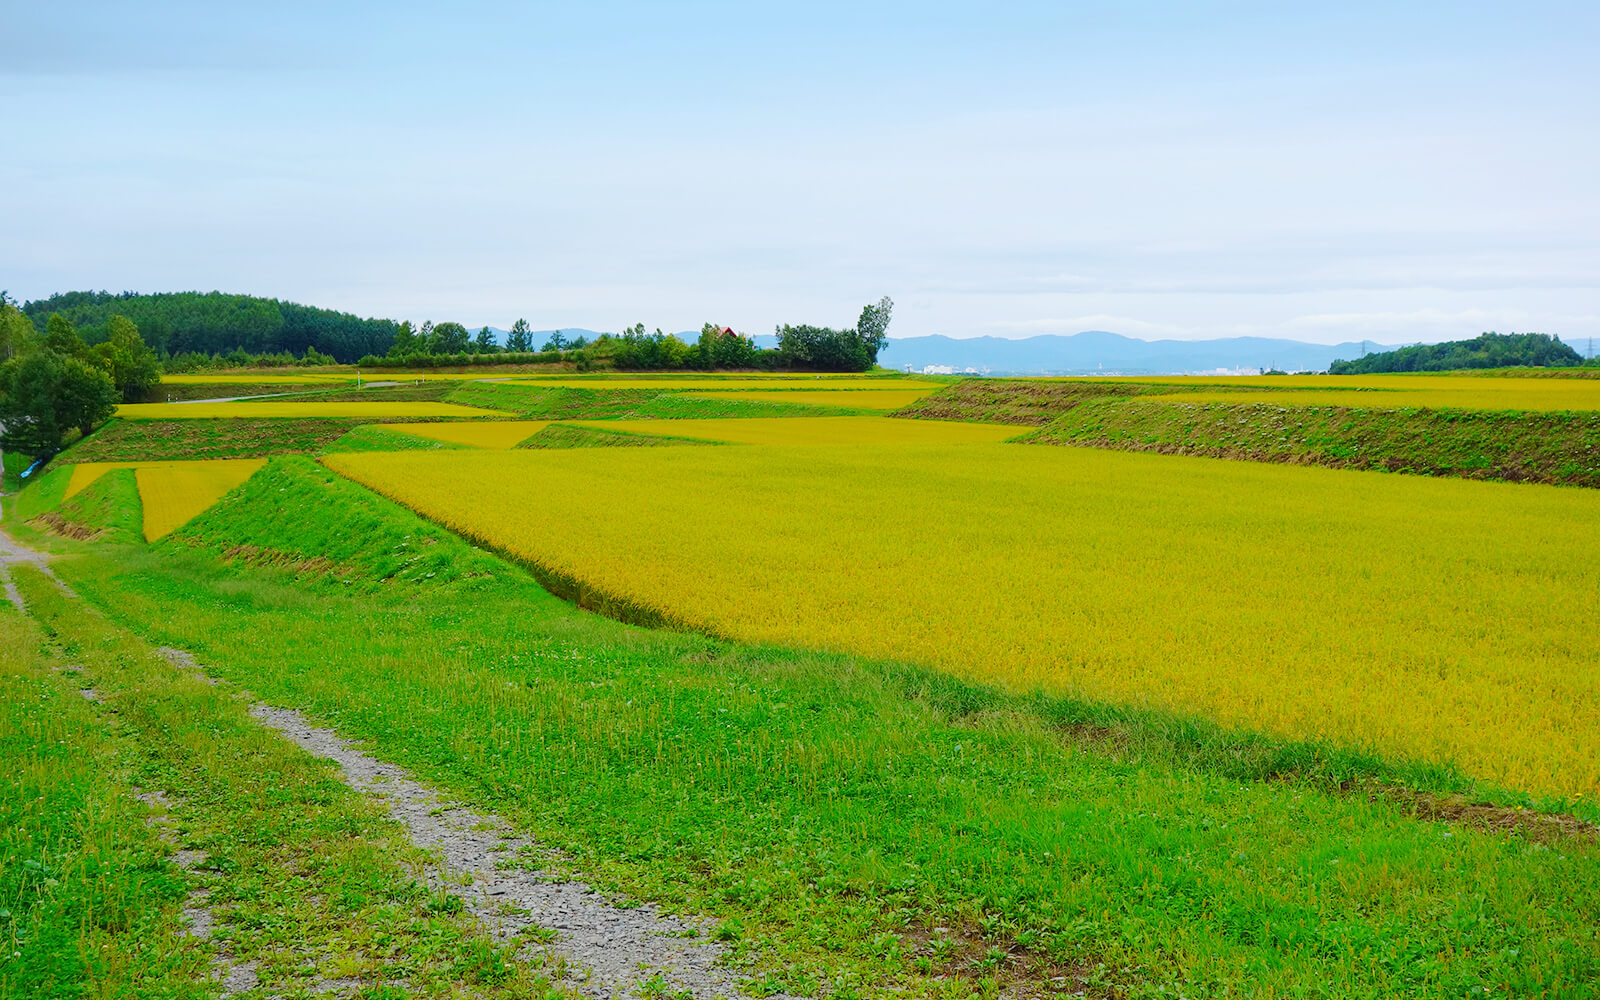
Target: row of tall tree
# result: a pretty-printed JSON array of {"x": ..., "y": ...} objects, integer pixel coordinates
[
  {"x": 55, "y": 382},
  {"x": 216, "y": 323}
]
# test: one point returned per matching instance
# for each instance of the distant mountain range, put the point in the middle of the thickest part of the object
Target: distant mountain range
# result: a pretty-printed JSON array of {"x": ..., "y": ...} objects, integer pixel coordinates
[
  {"x": 1087, "y": 353},
  {"x": 1099, "y": 352}
]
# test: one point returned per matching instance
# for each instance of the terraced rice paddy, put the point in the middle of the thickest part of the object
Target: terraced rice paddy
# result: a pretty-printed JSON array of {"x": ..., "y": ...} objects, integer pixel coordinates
[
  {"x": 476, "y": 434},
  {"x": 1302, "y": 602},
  {"x": 292, "y": 410},
  {"x": 172, "y": 493},
  {"x": 1432, "y": 391},
  {"x": 812, "y": 430}
]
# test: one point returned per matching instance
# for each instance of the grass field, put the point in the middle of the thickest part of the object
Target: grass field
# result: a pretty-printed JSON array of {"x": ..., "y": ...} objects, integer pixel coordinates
[
  {"x": 857, "y": 827},
  {"x": 547, "y": 403},
  {"x": 150, "y": 829},
  {"x": 257, "y": 378},
  {"x": 866, "y": 399},
  {"x": 1180, "y": 584},
  {"x": 812, "y": 430},
  {"x": 775, "y": 383},
  {"x": 478, "y": 434},
  {"x": 293, "y": 410}
]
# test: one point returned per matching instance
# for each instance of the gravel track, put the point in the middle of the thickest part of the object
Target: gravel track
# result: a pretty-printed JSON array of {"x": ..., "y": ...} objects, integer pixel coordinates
[{"x": 610, "y": 951}]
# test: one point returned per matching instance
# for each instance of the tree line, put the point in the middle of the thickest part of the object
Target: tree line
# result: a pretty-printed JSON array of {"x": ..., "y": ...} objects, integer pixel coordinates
[
  {"x": 1488, "y": 350},
  {"x": 53, "y": 382},
  {"x": 802, "y": 348},
  {"x": 196, "y": 331},
  {"x": 217, "y": 323}
]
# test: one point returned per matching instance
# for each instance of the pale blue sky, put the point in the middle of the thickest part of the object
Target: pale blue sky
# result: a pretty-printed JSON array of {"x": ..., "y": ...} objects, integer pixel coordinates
[{"x": 1383, "y": 171}]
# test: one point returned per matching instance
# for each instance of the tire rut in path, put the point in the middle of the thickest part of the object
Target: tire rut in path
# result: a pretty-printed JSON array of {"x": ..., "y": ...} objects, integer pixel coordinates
[{"x": 615, "y": 950}]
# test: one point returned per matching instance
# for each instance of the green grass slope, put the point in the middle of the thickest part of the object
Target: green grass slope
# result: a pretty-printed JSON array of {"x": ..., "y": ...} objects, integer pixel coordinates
[
  {"x": 151, "y": 440},
  {"x": 541, "y": 403},
  {"x": 871, "y": 830},
  {"x": 1561, "y": 448},
  {"x": 298, "y": 516},
  {"x": 376, "y": 437},
  {"x": 571, "y": 436}
]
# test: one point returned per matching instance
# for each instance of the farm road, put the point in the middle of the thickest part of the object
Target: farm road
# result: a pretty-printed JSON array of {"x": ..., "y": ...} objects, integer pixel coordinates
[
  {"x": 611, "y": 951},
  {"x": 13, "y": 552}
]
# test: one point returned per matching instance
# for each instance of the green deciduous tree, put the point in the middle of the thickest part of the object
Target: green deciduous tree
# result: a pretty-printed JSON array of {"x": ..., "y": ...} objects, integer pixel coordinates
[
  {"x": 61, "y": 337},
  {"x": 448, "y": 338},
  {"x": 17, "y": 335},
  {"x": 44, "y": 395},
  {"x": 124, "y": 356}
]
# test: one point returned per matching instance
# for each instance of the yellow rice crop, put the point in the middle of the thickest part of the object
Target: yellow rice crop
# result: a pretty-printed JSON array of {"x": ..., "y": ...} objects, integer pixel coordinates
[
  {"x": 861, "y": 399},
  {"x": 266, "y": 410},
  {"x": 477, "y": 433},
  {"x": 86, "y": 474},
  {"x": 1301, "y": 601},
  {"x": 1434, "y": 391},
  {"x": 814, "y": 430},
  {"x": 173, "y": 493}
]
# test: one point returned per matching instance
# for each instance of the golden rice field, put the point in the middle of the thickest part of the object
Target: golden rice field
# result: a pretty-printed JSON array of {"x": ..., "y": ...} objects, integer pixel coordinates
[
  {"x": 765, "y": 386},
  {"x": 812, "y": 430},
  {"x": 172, "y": 493},
  {"x": 1299, "y": 601},
  {"x": 476, "y": 433},
  {"x": 1433, "y": 391},
  {"x": 269, "y": 410},
  {"x": 861, "y": 399}
]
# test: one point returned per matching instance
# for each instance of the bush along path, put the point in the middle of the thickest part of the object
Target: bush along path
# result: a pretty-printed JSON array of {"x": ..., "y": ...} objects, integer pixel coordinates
[{"x": 292, "y": 864}]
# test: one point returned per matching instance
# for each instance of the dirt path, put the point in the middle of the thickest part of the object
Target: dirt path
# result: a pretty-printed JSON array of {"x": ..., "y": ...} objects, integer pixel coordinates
[
  {"x": 611, "y": 951},
  {"x": 484, "y": 862},
  {"x": 13, "y": 552}
]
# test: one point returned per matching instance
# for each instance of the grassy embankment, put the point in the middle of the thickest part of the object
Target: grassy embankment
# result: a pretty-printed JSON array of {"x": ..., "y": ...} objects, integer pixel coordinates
[
  {"x": 132, "y": 821},
  {"x": 868, "y": 827},
  {"x": 1558, "y": 447},
  {"x": 599, "y": 403}
]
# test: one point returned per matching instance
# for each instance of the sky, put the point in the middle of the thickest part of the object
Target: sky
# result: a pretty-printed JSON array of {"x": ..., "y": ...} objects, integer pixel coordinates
[{"x": 1395, "y": 172}]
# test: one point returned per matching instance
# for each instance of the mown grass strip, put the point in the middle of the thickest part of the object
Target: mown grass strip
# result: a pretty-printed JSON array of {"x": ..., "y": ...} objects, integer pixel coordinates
[
  {"x": 307, "y": 882},
  {"x": 88, "y": 905}
]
